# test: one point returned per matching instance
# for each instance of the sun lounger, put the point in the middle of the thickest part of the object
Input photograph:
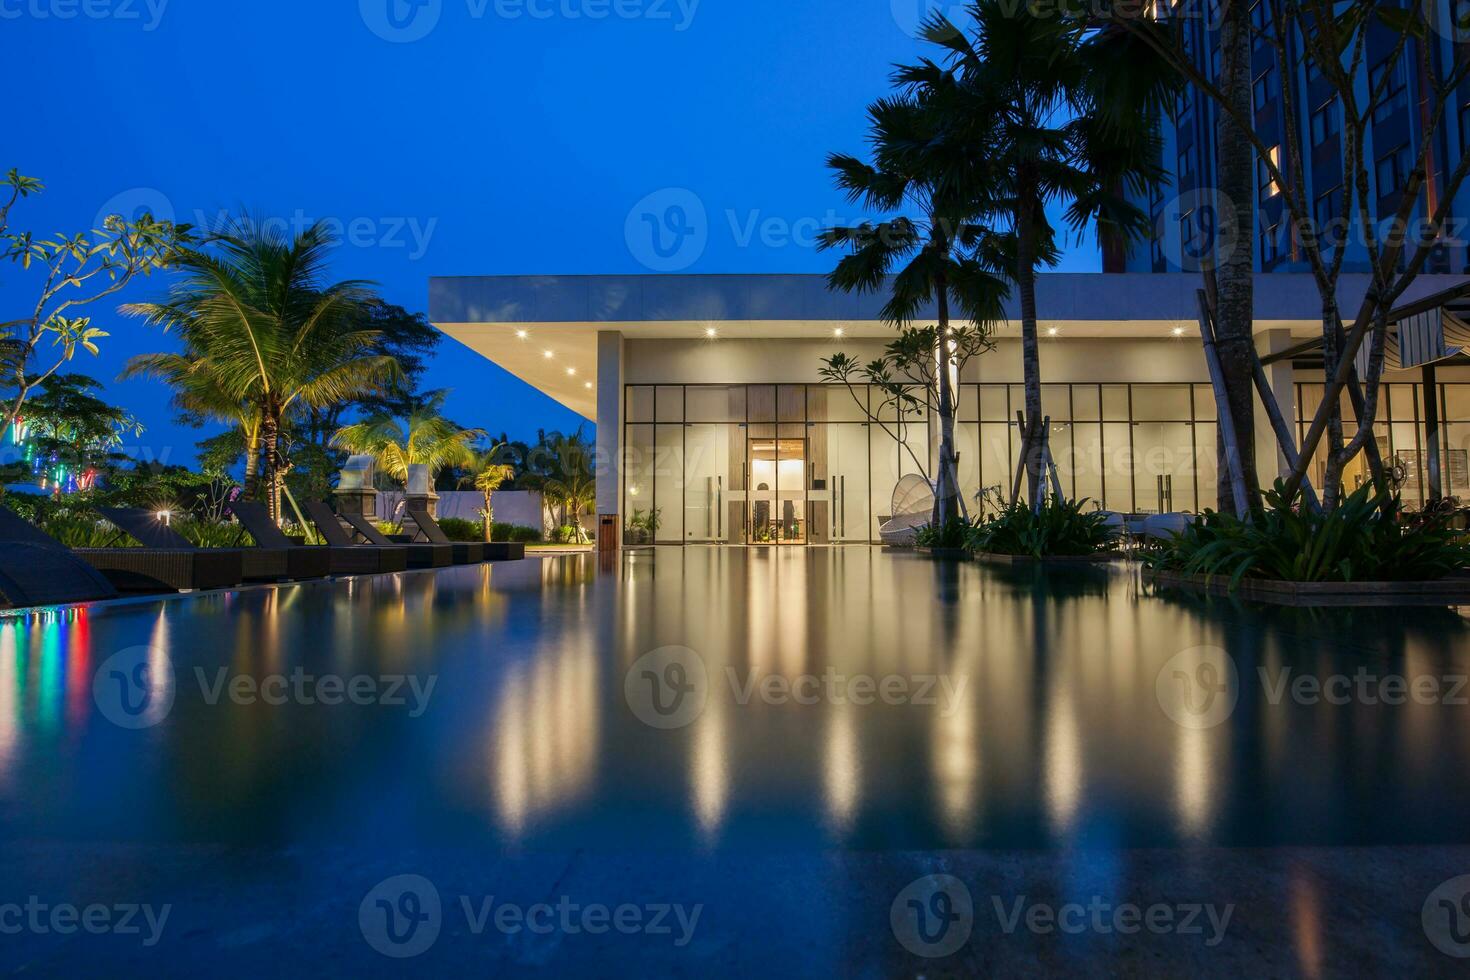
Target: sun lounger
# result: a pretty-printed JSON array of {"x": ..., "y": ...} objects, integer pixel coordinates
[
  {"x": 349, "y": 558},
  {"x": 465, "y": 552},
  {"x": 419, "y": 555},
  {"x": 302, "y": 561},
  {"x": 38, "y": 570},
  {"x": 255, "y": 564}
]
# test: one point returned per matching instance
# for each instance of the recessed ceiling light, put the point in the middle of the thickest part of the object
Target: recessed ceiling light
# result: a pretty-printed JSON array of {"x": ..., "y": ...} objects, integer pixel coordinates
[
  {"x": 711, "y": 332},
  {"x": 588, "y": 386},
  {"x": 522, "y": 334},
  {"x": 839, "y": 332},
  {"x": 572, "y": 372},
  {"x": 1052, "y": 331},
  {"x": 1179, "y": 331},
  {"x": 547, "y": 354}
]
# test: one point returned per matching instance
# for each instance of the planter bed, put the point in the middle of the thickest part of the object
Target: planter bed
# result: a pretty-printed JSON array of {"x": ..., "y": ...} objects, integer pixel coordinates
[
  {"x": 952, "y": 554},
  {"x": 1099, "y": 560},
  {"x": 1443, "y": 592}
]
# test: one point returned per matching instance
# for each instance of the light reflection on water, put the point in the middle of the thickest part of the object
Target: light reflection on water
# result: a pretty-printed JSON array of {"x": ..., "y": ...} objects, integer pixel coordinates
[{"x": 1049, "y": 734}]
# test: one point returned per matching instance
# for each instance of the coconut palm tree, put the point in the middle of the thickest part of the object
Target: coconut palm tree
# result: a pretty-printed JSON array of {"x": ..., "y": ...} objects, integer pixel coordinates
[
  {"x": 200, "y": 395},
  {"x": 424, "y": 438},
  {"x": 488, "y": 473},
  {"x": 257, "y": 312},
  {"x": 561, "y": 467},
  {"x": 1067, "y": 116},
  {"x": 941, "y": 256}
]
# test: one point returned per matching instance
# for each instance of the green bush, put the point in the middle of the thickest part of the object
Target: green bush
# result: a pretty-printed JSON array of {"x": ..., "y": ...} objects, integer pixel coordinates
[
  {"x": 1366, "y": 539},
  {"x": 1063, "y": 528},
  {"x": 518, "y": 533},
  {"x": 212, "y": 534},
  {"x": 566, "y": 534},
  {"x": 81, "y": 530},
  {"x": 459, "y": 529},
  {"x": 953, "y": 533}
]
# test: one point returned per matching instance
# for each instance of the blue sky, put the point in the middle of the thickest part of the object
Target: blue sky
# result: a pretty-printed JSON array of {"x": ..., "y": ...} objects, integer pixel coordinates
[{"x": 512, "y": 137}]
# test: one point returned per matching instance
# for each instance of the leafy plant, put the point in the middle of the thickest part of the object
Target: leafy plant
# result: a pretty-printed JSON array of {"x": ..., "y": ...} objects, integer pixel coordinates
[
  {"x": 515, "y": 533},
  {"x": 953, "y": 533},
  {"x": 1062, "y": 528},
  {"x": 80, "y": 530},
  {"x": 459, "y": 529},
  {"x": 567, "y": 534},
  {"x": 1368, "y": 538},
  {"x": 211, "y": 534}
]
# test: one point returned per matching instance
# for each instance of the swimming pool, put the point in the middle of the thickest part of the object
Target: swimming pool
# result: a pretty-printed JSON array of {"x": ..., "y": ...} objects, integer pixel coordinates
[{"x": 705, "y": 704}]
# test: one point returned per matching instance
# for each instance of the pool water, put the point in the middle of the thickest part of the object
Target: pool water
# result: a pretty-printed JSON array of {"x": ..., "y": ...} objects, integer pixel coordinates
[{"x": 713, "y": 700}]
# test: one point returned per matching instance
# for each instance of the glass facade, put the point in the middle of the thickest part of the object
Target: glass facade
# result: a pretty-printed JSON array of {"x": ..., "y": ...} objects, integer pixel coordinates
[
  {"x": 1400, "y": 433},
  {"x": 801, "y": 464}
]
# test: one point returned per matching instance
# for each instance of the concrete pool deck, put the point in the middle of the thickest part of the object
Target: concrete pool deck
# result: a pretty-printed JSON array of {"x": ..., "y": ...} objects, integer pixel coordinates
[{"x": 1309, "y": 912}]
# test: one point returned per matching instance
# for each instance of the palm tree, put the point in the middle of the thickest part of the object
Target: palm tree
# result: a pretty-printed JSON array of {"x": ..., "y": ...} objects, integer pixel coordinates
[
  {"x": 1067, "y": 116},
  {"x": 943, "y": 256},
  {"x": 258, "y": 314},
  {"x": 200, "y": 396},
  {"x": 487, "y": 474},
  {"x": 561, "y": 467},
  {"x": 424, "y": 438}
]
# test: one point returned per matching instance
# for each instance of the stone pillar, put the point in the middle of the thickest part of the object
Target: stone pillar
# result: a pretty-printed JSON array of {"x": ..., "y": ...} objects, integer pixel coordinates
[
  {"x": 421, "y": 490},
  {"x": 355, "y": 493},
  {"x": 1270, "y": 461},
  {"x": 610, "y": 355}
]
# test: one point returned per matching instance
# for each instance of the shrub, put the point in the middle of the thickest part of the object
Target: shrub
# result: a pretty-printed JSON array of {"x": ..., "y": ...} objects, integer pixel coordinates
[
  {"x": 211, "y": 534},
  {"x": 1366, "y": 539},
  {"x": 459, "y": 529},
  {"x": 515, "y": 533},
  {"x": 953, "y": 533},
  {"x": 80, "y": 530},
  {"x": 1062, "y": 528},
  {"x": 566, "y": 534}
]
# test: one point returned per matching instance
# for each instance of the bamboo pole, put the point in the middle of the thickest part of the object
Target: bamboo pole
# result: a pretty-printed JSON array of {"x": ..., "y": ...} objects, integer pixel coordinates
[
  {"x": 1278, "y": 425},
  {"x": 1025, "y": 455},
  {"x": 1222, "y": 409}
]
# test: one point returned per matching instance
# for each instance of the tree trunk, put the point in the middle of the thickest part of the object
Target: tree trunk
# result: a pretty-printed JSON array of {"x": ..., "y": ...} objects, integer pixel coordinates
[
  {"x": 1235, "y": 249},
  {"x": 270, "y": 447},
  {"x": 252, "y": 464},
  {"x": 946, "y": 495},
  {"x": 1030, "y": 352},
  {"x": 489, "y": 517}
]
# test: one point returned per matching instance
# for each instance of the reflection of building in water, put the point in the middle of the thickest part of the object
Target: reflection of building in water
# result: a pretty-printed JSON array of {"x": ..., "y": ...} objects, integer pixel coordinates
[
  {"x": 545, "y": 739},
  {"x": 842, "y": 772}
]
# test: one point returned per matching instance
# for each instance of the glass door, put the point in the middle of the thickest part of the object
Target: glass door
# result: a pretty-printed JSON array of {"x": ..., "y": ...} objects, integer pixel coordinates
[{"x": 778, "y": 491}]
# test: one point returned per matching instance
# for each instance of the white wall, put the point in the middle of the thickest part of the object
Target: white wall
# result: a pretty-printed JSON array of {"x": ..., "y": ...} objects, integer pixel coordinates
[{"x": 522, "y": 507}]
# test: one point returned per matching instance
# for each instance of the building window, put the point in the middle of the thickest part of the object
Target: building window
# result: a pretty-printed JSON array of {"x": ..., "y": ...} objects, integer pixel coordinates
[
  {"x": 1327, "y": 211},
  {"x": 1314, "y": 74},
  {"x": 1215, "y": 63},
  {"x": 1393, "y": 172},
  {"x": 1264, "y": 181},
  {"x": 1266, "y": 90},
  {"x": 1187, "y": 166},
  {"x": 1388, "y": 74},
  {"x": 1258, "y": 16},
  {"x": 1325, "y": 124},
  {"x": 1270, "y": 246},
  {"x": 1465, "y": 127}
]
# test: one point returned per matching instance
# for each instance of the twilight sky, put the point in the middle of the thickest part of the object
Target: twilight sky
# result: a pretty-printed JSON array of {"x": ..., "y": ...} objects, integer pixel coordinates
[{"x": 447, "y": 137}]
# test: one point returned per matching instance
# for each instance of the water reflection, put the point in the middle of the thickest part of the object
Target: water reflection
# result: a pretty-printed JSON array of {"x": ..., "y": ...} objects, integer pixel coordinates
[{"x": 1042, "y": 727}]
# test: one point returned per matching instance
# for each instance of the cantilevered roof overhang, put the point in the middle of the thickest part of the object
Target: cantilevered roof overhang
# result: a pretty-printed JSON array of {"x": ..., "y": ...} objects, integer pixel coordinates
[{"x": 543, "y": 329}]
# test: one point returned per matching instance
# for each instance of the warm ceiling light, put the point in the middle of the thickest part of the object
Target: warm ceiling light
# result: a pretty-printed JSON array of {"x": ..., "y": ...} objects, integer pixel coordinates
[
  {"x": 1052, "y": 331},
  {"x": 571, "y": 372},
  {"x": 588, "y": 386},
  {"x": 522, "y": 334},
  {"x": 1179, "y": 331},
  {"x": 547, "y": 354},
  {"x": 711, "y": 332},
  {"x": 839, "y": 332}
]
